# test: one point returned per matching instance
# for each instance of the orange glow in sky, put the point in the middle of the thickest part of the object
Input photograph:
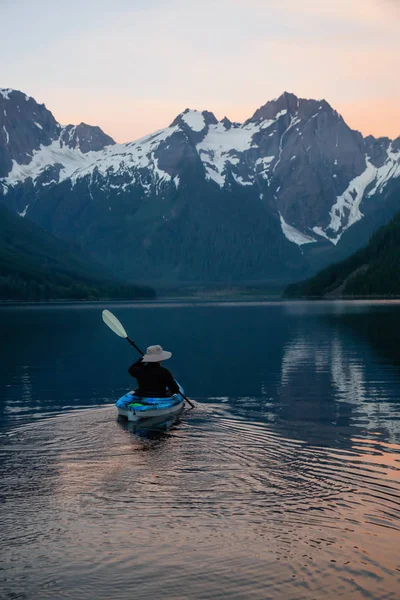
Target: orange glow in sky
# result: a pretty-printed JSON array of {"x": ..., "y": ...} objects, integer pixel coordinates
[{"x": 132, "y": 65}]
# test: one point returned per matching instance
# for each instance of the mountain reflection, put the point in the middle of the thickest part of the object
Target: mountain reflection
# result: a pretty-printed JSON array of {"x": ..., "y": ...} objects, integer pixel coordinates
[{"x": 346, "y": 383}]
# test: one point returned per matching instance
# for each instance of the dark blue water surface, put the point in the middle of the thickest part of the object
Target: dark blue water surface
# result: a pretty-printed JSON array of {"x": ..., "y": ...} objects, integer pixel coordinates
[{"x": 283, "y": 483}]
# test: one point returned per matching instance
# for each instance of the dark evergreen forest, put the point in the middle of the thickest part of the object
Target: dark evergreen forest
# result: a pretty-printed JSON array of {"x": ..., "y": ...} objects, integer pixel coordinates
[
  {"x": 36, "y": 266},
  {"x": 372, "y": 271}
]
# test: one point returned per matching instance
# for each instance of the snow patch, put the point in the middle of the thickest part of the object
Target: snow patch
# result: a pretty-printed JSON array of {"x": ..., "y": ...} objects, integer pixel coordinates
[
  {"x": 268, "y": 122},
  {"x": 240, "y": 180},
  {"x": 195, "y": 120},
  {"x": 265, "y": 160},
  {"x": 293, "y": 123},
  {"x": 7, "y": 136},
  {"x": 346, "y": 210},
  {"x": 294, "y": 235},
  {"x": 264, "y": 164},
  {"x": 321, "y": 232},
  {"x": 129, "y": 158},
  {"x": 118, "y": 158},
  {"x": 389, "y": 170},
  {"x": 220, "y": 145},
  {"x": 46, "y": 156},
  {"x": 5, "y": 92},
  {"x": 23, "y": 213},
  {"x": 350, "y": 201},
  {"x": 214, "y": 175}
]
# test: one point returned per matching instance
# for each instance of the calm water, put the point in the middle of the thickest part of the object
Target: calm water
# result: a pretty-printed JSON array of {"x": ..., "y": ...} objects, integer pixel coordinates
[{"x": 284, "y": 482}]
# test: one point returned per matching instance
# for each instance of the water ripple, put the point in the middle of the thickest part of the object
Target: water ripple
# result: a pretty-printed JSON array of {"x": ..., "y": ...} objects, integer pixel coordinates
[{"x": 218, "y": 506}]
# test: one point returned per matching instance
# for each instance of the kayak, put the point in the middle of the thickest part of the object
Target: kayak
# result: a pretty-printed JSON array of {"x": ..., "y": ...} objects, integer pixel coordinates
[{"x": 136, "y": 408}]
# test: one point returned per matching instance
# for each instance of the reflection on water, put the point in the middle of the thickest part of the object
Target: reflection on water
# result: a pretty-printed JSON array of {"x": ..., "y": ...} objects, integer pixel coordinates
[
  {"x": 284, "y": 482},
  {"x": 342, "y": 372},
  {"x": 215, "y": 507},
  {"x": 323, "y": 364},
  {"x": 152, "y": 428}
]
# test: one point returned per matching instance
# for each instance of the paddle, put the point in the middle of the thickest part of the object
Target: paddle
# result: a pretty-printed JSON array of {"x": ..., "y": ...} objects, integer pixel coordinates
[{"x": 114, "y": 324}]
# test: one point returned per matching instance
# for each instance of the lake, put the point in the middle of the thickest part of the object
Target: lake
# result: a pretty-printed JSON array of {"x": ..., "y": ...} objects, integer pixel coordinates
[{"x": 283, "y": 483}]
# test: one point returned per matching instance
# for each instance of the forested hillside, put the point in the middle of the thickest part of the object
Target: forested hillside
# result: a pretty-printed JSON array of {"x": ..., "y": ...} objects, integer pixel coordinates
[
  {"x": 278, "y": 197},
  {"x": 371, "y": 271},
  {"x": 35, "y": 265}
]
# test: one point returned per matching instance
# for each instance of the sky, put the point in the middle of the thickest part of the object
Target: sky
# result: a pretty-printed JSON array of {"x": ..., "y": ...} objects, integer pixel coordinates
[{"x": 130, "y": 66}]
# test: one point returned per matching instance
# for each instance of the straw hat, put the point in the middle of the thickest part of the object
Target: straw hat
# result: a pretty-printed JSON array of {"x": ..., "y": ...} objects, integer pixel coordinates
[{"x": 156, "y": 354}]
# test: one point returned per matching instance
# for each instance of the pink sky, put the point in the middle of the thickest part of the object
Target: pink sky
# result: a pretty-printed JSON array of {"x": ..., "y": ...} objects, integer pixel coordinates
[
  {"x": 378, "y": 117},
  {"x": 131, "y": 68}
]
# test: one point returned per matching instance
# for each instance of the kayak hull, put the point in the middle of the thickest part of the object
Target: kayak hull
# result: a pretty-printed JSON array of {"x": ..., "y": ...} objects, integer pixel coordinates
[
  {"x": 136, "y": 408},
  {"x": 165, "y": 412}
]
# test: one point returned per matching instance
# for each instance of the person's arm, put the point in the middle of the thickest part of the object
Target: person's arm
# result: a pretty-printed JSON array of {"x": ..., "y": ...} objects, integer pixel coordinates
[
  {"x": 136, "y": 367},
  {"x": 171, "y": 383}
]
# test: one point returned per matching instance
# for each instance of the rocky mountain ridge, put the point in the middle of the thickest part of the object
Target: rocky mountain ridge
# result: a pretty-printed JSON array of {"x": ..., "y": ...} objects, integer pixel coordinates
[
  {"x": 27, "y": 127},
  {"x": 292, "y": 177}
]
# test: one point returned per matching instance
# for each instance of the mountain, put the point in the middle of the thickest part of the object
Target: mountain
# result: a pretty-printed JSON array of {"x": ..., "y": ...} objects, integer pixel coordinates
[
  {"x": 27, "y": 128},
  {"x": 34, "y": 265},
  {"x": 275, "y": 197},
  {"x": 372, "y": 271}
]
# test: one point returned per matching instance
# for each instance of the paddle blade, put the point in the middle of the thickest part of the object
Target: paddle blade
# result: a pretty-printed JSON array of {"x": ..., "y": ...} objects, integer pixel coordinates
[{"x": 112, "y": 322}]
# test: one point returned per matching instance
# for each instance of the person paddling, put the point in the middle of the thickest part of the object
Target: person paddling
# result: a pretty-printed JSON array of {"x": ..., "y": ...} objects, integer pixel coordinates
[{"x": 153, "y": 379}]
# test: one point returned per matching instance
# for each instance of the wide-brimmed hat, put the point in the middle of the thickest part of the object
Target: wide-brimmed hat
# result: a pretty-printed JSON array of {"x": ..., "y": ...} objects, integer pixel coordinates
[{"x": 156, "y": 354}]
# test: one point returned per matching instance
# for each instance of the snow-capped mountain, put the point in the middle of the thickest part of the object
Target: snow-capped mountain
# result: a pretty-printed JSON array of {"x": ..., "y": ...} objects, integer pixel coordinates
[
  {"x": 201, "y": 199},
  {"x": 27, "y": 128}
]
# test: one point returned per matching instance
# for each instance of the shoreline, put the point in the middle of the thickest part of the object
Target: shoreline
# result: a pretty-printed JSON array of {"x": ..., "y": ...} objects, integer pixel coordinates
[{"x": 204, "y": 299}]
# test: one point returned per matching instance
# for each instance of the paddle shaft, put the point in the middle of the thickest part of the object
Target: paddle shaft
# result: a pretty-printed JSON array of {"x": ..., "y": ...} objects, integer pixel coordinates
[{"x": 132, "y": 343}]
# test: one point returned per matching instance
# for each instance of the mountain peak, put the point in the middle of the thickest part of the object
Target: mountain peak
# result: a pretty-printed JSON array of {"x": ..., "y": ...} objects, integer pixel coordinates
[
  {"x": 291, "y": 104},
  {"x": 285, "y": 102},
  {"x": 286, "y": 99},
  {"x": 396, "y": 145},
  {"x": 10, "y": 93},
  {"x": 195, "y": 120},
  {"x": 87, "y": 138},
  {"x": 294, "y": 176},
  {"x": 5, "y": 92},
  {"x": 25, "y": 126}
]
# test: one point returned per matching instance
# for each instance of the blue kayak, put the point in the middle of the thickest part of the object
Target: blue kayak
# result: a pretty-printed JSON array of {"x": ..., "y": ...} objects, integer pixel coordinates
[{"x": 136, "y": 408}]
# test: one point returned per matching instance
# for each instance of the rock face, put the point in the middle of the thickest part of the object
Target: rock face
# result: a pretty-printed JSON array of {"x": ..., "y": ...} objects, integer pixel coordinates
[
  {"x": 26, "y": 127},
  {"x": 85, "y": 138},
  {"x": 206, "y": 200}
]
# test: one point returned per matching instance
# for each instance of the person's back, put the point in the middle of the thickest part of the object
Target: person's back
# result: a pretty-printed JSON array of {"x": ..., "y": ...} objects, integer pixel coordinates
[{"x": 153, "y": 379}]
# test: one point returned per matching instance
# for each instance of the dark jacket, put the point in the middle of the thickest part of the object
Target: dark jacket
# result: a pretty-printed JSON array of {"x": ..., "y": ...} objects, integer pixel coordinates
[{"x": 153, "y": 379}]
